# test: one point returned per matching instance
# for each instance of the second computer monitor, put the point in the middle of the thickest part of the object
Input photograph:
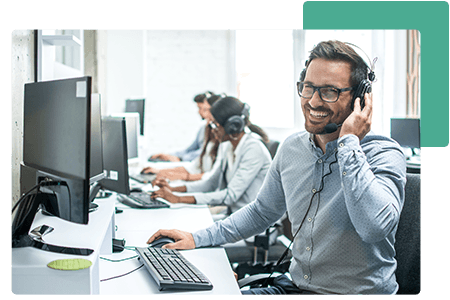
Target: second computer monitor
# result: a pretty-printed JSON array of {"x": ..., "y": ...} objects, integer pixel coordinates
[
  {"x": 406, "y": 131},
  {"x": 115, "y": 155},
  {"x": 96, "y": 157},
  {"x": 137, "y": 105},
  {"x": 132, "y": 127}
]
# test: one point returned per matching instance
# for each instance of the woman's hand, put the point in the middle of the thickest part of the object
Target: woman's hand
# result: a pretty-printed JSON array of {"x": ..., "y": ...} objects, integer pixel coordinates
[
  {"x": 149, "y": 170},
  {"x": 166, "y": 193},
  {"x": 160, "y": 182}
]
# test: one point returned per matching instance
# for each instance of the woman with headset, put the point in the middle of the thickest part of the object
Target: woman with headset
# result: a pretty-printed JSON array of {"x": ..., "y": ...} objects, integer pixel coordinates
[{"x": 244, "y": 163}]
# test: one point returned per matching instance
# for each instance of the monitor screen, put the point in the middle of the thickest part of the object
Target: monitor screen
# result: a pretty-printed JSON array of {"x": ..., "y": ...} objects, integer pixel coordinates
[
  {"x": 132, "y": 127},
  {"x": 96, "y": 160},
  {"x": 406, "y": 132},
  {"x": 115, "y": 156},
  {"x": 56, "y": 126},
  {"x": 137, "y": 105}
]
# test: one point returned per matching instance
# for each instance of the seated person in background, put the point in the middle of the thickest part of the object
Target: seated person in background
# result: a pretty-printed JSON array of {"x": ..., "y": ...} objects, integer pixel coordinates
[
  {"x": 341, "y": 185},
  {"x": 243, "y": 166},
  {"x": 201, "y": 164},
  {"x": 195, "y": 148}
]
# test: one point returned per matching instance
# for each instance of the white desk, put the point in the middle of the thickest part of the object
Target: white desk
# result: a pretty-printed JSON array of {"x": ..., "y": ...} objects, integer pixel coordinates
[
  {"x": 30, "y": 274},
  {"x": 136, "y": 226}
]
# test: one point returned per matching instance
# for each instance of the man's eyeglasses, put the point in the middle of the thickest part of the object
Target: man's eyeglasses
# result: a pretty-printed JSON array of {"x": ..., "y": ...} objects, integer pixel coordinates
[{"x": 326, "y": 93}]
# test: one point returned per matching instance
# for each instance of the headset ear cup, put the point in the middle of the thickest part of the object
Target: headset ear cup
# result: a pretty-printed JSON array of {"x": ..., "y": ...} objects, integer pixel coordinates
[
  {"x": 234, "y": 124},
  {"x": 363, "y": 87}
]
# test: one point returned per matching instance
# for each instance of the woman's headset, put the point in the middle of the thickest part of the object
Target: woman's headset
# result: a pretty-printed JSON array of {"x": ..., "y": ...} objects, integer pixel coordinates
[{"x": 236, "y": 123}]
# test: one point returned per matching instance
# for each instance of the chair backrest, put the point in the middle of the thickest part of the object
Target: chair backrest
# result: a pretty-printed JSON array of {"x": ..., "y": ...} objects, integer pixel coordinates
[
  {"x": 272, "y": 146},
  {"x": 407, "y": 244}
]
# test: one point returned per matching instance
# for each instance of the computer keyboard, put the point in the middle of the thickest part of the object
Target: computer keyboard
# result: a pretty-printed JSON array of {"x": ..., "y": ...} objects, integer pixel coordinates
[
  {"x": 141, "y": 200},
  {"x": 143, "y": 178},
  {"x": 171, "y": 270}
]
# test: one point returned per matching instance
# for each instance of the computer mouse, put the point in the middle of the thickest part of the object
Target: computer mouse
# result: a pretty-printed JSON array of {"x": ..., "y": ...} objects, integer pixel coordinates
[
  {"x": 136, "y": 190},
  {"x": 161, "y": 242},
  {"x": 154, "y": 159},
  {"x": 147, "y": 173}
]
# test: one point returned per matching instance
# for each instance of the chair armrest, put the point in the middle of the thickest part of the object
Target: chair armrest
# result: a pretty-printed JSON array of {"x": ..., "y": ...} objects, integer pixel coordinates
[{"x": 253, "y": 279}]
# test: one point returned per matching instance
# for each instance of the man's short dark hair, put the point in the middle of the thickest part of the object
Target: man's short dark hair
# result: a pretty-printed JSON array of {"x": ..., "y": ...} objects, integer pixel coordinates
[{"x": 336, "y": 50}]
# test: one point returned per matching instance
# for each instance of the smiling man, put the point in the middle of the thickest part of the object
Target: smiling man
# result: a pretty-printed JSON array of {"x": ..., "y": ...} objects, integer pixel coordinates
[{"x": 341, "y": 184}]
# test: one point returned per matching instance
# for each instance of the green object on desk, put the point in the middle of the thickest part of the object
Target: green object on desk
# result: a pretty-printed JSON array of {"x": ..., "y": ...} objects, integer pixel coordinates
[{"x": 70, "y": 264}]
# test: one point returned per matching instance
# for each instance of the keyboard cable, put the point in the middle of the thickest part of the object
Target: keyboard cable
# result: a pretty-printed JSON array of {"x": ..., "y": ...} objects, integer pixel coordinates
[
  {"x": 120, "y": 260},
  {"x": 118, "y": 276}
]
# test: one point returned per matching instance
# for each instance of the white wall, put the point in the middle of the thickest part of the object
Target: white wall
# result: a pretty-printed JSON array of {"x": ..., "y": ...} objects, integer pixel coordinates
[
  {"x": 169, "y": 68},
  {"x": 125, "y": 68},
  {"x": 22, "y": 71}
]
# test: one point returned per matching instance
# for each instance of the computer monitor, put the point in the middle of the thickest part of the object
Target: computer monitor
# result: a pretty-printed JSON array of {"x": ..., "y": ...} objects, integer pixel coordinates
[
  {"x": 96, "y": 159},
  {"x": 132, "y": 127},
  {"x": 406, "y": 131},
  {"x": 137, "y": 105},
  {"x": 115, "y": 155},
  {"x": 57, "y": 141}
]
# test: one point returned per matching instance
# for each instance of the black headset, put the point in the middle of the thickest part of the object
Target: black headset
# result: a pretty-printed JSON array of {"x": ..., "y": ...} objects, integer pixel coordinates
[
  {"x": 364, "y": 86},
  {"x": 236, "y": 123}
]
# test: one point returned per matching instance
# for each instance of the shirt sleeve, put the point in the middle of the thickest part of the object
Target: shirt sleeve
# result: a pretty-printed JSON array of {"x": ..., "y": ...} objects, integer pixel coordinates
[
  {"x": 373, "y": 185},
  {"x": 193, "y": 167},
  {"x": 206, "y": 184},
  {"x": 249, "y": 167}
]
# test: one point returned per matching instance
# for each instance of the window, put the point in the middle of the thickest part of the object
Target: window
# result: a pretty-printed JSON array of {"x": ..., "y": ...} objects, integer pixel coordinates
[
  {"x": 60, "y": 54},
  {"x": 268, "y": 63},
  {"x": 264, "y": 64}
]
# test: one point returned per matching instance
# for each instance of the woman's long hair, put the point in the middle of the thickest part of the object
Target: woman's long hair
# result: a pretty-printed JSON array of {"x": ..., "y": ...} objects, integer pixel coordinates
[{"x": 209, "y": 136}]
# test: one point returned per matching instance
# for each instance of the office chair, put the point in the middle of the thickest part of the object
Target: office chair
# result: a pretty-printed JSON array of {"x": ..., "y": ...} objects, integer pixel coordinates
[
  {"x": 272, "y": 146},
  {"x": 407, "y": 244},
  {"x": 260, "y": 253}
]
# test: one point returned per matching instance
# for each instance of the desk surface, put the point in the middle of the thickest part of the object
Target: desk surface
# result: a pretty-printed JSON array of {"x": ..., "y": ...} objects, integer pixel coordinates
[{"x": 136, "y": 226}]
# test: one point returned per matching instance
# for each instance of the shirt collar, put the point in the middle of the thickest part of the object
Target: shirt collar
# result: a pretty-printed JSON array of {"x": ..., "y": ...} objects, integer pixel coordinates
[
  {"x": 330, "y": 147},
  {"x": 239, "y": 146}
]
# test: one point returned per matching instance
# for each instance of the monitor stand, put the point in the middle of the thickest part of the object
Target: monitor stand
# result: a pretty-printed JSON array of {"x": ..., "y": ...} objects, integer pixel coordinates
[{"x": 22, "y": 224}]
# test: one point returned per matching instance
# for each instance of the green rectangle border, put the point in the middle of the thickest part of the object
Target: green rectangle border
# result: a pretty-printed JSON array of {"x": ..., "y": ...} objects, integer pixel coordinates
[{"x": 430, "y": 18}]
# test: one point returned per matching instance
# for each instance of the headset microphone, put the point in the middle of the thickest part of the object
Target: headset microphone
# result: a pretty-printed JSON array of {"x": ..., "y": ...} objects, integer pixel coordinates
[{"x": 330, "y": 128}]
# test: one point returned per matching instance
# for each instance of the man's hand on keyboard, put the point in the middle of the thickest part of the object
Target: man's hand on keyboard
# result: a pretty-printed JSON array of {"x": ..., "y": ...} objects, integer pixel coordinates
[{"x": 183, "y": 239}]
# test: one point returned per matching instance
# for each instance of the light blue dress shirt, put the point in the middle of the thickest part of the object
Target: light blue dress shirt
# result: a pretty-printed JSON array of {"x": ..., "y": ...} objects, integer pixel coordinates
[{"x": 346, "y": 244}]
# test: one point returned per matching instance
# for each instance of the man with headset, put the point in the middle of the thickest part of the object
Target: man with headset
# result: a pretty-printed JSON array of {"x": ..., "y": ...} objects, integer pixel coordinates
[{"x": 341, "y": 185}]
